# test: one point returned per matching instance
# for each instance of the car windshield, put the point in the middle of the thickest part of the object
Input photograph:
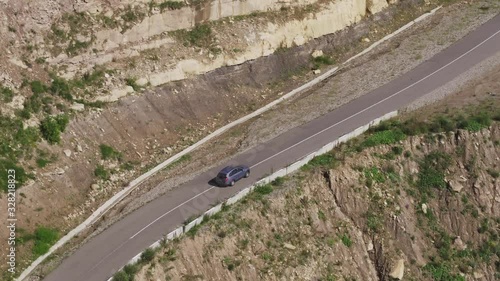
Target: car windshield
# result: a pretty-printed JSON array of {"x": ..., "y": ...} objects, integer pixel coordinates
[{"x": 221, "y": 176}]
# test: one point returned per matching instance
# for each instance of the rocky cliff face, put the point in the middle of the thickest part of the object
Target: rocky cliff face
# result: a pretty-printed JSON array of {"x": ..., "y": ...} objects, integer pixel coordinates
[
  {"x": 426, "y": 208},
  {"x": 71, "y": 38}
]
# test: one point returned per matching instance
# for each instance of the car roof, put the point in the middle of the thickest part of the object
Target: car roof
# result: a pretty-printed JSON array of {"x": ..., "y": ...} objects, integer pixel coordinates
[{"x": 227, "y": 169}]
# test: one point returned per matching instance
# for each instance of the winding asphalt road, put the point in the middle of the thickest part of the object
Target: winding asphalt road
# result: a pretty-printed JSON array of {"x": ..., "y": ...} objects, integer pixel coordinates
[{"x": 103, "y": 255}]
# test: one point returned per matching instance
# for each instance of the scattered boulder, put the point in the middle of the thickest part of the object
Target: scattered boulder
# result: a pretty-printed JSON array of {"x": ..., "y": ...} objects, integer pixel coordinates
[
  {"x": 455, "y": 185},
  {"x": 459, "y": 244},
  {"x": 317, "y": 71},
  {"x": 289, "y": 246},
  {"x": 59, "y": 171},
  {"x": 375, "y": 6},
  {"x": 317, "y": 53},
  {"x": 398, "y": 270},
  {"x": 299, "y": 40},
  {"x": 94, "y": 186},
  {"x": 18, "y": 62},
  {"x": 67, "y": 152},
  {"x": 142, "y": 81},
  {"x": 366, "y": 39},
  {"x": 369, "y": 247},
  {"x": 79, "y": 148},
  {"x": 78, "y": 106},
  {"x": 424, "y": 208},
  {"x": 478, "y": 275}
]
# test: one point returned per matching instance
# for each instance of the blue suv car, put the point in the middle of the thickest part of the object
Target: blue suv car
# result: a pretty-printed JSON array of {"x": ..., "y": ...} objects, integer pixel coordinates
[{"x": 229, "y": 175}]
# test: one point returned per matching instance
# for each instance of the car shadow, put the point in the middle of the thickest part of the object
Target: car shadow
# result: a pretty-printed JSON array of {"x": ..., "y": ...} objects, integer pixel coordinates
[{"x": 212, "y": 182}]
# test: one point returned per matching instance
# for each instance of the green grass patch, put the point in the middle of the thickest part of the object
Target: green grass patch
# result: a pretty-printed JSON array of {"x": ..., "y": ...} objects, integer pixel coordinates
[
  {"x": 263, "y": 189},
  {"x": 259, "y": 192},
  {"x": 192, "y": 232},
  {"x": 200, "y": 36},
  {"x": 374, "y": 221},
  {"x": 182, "y": 159},
  {"x": 442, "y": 272},
  {"x": 326, "y": 160},
  {"x": 346, "y": 240},
  {"x": 432, "y": 169},
  {"x": 321, "y": 215},
  {"x": 373, "y": 174},
  {"x": 42, "y": 162},
  {"x": 384, "y": 137},
  {"x": 44, "y": 238}
]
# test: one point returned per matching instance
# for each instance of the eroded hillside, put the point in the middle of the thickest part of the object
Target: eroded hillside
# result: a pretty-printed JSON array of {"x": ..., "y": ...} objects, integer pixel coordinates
[{"x": 412, "y": 200}]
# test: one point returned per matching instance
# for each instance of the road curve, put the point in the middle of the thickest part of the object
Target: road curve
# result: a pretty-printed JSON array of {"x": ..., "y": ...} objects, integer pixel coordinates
[{"x": 104, "y": 254}]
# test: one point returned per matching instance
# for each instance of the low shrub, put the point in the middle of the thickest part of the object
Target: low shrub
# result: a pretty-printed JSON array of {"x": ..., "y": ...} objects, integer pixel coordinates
[
  {"x": 322, "y": 60},
  {"x": 37, "y": 87},
  {"x": 263, "y": 189},
  {"x": 148, "y": 255},
  {"x": 171, "y": 5},
  {"x": 62, "y": 88},
  {"x": 5, "y": 166},
  {"x": 52, "y": 127},
  {"x": 101, "y": 172},
  {"x": 108, "y": 152},
  {"x": 122, "y": 276},
  {"x": 373, "y": 221},
  {"x": 279, "y": 181},
  {"x": 6, "y": 94}
]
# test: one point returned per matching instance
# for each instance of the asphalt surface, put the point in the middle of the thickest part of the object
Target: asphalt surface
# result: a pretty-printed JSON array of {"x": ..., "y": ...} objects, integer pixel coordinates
[{"x": 103, "y": 255}]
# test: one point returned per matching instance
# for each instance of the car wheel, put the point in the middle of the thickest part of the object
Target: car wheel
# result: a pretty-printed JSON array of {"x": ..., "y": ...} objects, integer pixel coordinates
[
  {"x": 247, "y": 174},
  {"x": 232, "y": 183}
]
